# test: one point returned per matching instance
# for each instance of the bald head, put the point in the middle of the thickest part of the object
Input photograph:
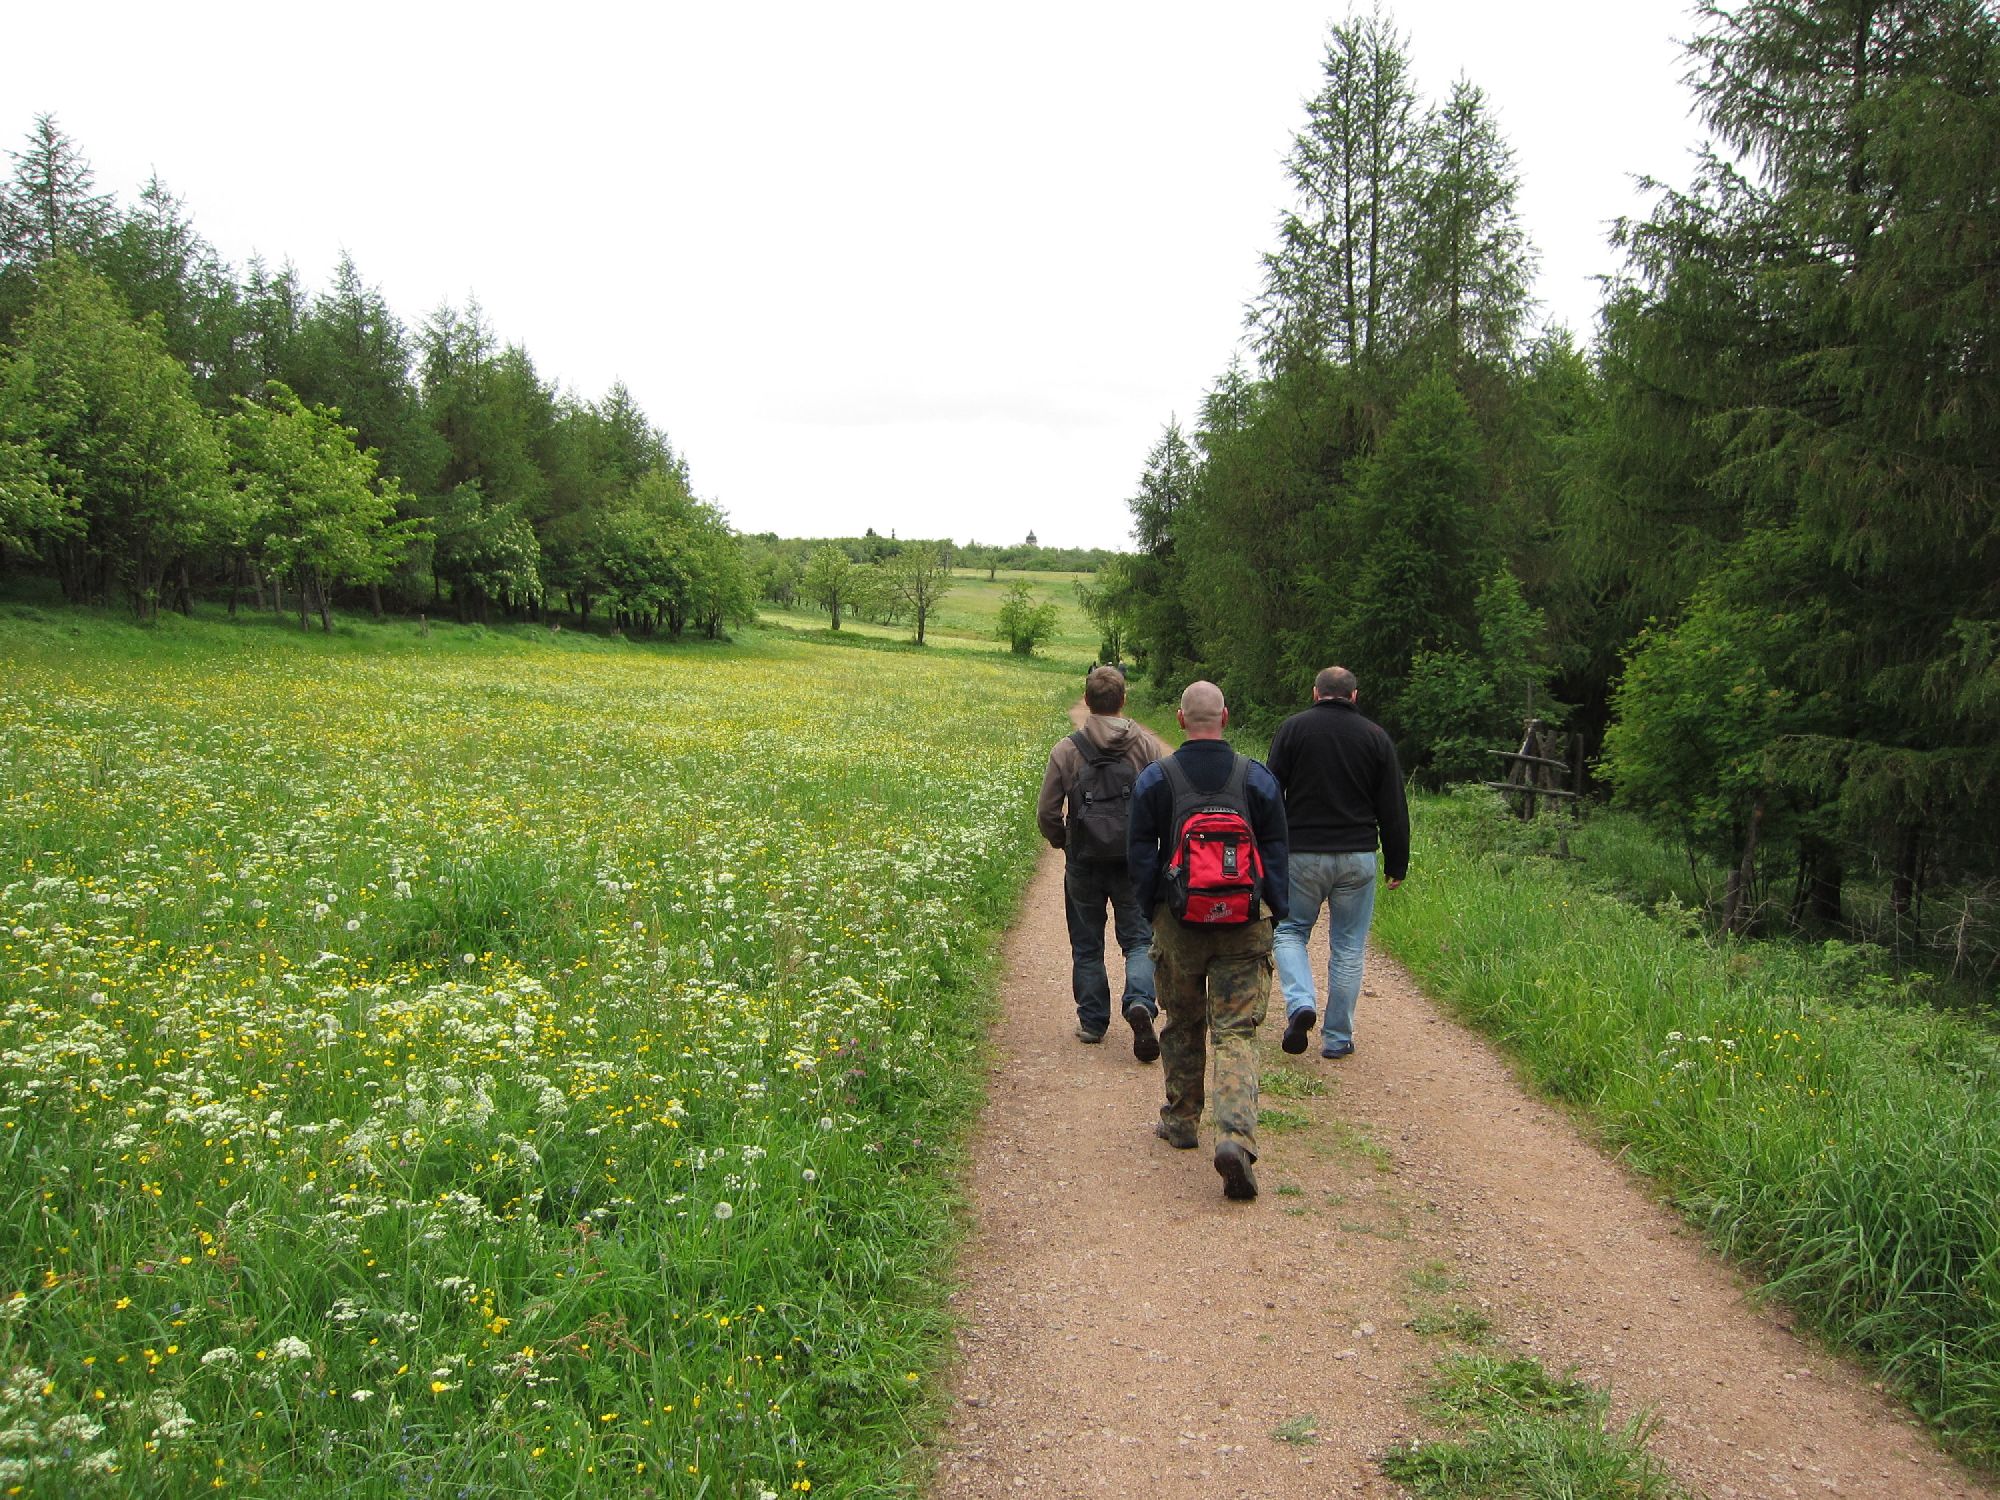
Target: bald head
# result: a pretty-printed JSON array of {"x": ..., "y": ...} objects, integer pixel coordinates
[{"x": 1203, "y": 713}]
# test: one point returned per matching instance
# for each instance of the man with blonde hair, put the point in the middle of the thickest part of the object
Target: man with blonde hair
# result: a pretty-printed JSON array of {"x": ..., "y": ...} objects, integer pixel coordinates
[
  {"x": 1208, "y": 857},
  {"x": 1083, "y": 810}
]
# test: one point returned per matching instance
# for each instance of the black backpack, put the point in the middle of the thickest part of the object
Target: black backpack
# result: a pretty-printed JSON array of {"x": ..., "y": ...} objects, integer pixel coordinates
[{"x": 1100, "y": 803}]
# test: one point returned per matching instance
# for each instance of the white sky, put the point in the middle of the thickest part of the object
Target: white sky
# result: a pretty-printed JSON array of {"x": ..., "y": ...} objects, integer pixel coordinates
[{"x": 926, "y": 267}]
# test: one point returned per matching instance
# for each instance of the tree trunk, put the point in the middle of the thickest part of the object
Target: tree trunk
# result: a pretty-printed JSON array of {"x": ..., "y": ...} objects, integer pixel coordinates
[
  {"x": 1903, "y": 884},
  {"x": 1736, "y": 903},
  {"x": 1816, "y": 898},
  {"x": 325, "y": 614}
]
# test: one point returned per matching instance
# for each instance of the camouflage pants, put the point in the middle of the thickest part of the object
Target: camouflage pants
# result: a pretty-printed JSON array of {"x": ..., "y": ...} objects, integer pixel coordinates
[{"x": 1211, "y": 981}]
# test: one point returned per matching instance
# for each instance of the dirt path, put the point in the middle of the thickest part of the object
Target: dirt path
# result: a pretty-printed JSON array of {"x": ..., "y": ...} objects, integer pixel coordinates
[{"x": 1129, "y": 1332}]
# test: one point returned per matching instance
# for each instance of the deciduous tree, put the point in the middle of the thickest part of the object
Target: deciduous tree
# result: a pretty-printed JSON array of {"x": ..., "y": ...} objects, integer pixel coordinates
[{"x": 918, "y": 577}]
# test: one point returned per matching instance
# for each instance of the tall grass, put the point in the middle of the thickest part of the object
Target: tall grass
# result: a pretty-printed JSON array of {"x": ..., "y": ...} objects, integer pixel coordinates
[
  {"x": 1847, "y": 1148},
  {"x": 487, "y": 1062}
]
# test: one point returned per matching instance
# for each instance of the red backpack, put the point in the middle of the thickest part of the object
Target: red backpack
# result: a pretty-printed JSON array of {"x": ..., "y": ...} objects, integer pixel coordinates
[{"x": 1214, "y": 870}]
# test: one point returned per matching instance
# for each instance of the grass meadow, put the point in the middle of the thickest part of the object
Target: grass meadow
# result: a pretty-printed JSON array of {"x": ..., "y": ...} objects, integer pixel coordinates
[
  {"x": 1846, "y": 1147},
  {"x": 486, "y": 1063},
  {"x": 970, "y": 613}
]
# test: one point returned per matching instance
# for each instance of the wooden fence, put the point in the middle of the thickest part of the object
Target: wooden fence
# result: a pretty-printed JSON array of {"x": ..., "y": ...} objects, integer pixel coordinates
[{"x": 1546, "y": 771}]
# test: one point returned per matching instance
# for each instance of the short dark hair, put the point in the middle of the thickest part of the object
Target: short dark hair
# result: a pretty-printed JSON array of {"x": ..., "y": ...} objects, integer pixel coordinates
[
  {"x": 1104, "y": 690},
  {"x": 1334, "y": 682}
]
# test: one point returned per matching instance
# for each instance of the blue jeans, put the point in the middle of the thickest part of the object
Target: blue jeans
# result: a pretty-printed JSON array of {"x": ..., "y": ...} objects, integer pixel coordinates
[
  {"x": 1087, "y": 887},
  {"x": 1345, "y": 885}
]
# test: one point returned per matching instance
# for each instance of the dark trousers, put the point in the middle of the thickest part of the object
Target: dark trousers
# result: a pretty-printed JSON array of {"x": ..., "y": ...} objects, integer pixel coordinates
[{"x": 1087, "y": 887}]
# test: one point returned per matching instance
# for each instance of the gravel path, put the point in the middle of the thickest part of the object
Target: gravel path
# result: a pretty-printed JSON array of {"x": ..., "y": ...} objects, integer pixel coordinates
[{"x": 1127, "y": 1331}]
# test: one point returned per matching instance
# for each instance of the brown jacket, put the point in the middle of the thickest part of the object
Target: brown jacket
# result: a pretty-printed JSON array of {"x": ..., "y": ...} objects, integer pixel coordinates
[{"x": 1134, "y": 740}]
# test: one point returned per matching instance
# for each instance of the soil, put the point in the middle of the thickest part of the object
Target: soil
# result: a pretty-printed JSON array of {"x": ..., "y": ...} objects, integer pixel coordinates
[{"x": 1125, "y": 1330}]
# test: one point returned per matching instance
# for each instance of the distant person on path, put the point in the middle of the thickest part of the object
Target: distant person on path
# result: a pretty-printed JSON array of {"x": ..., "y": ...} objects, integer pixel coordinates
[
  {"x": 1208, "y": 857},
  {"x": 1083, "y": 810},
  {"x": 1343, "y": 795}
]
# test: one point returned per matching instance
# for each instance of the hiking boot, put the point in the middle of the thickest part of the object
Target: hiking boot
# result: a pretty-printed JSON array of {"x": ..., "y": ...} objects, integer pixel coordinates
[
  {"x": 1086, "y": 1035},
  {"x": 1145, "y": 1045},
  {"x": 1337, "y": 1049},
  {"x": 1298, "y": 1027},
  {"x": 1173, "y": 1137},
  {"x": 1232, "y": 1160}
]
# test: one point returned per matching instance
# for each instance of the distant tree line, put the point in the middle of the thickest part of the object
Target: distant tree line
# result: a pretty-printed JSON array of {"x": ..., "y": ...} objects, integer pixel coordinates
[
  {"x": 779, "y": 564},
  {"x": 1749, "y": 542},
  {"x": 169, "y": 427}
]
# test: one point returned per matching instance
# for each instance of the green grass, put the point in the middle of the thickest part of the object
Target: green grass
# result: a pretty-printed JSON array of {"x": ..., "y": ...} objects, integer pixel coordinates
[
  {"x": 1518, "y": 1433},
  {"x": 967, "y": 617},
  {"x": 1300, "y": 1431},
  {"x": 1292, "y": 1083},
  {"x": 1467, "y": 1325},
  {"x": 488, "y": 1061},
  {"x": 1848, "y": 1149}
]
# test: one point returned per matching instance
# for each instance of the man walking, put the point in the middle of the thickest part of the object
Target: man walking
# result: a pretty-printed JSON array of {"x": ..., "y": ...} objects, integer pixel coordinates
[
  {"x": 1208, "y": 859},
  {"x": 1343, "y": 795},
  {"x": 1083, "y": 810}
]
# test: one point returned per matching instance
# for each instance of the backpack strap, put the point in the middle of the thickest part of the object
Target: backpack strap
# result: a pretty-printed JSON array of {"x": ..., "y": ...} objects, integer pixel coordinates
[
  {"x": 1186, "y": 797},
  {"x": 1089, "y": 751},
  {"x": 1237, "y": 787}
]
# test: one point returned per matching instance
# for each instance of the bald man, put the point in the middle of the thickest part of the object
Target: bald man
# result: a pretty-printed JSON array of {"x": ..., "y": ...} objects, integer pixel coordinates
[{"x": 1212, "y": 981}]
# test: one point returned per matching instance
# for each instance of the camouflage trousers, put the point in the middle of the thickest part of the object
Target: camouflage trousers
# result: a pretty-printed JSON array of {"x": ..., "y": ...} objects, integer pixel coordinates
[{"x": 1211, "y": 981}]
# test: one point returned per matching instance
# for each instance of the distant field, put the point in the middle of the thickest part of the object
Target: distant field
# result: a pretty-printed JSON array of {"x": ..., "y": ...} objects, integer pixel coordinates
[
  {"x": 971, "y": 611},
  {"x": 487, "y": 1063}
]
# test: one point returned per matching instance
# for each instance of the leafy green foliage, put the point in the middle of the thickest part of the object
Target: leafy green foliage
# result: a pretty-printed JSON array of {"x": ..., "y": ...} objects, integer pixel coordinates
[
  {"x": 126, "y": 446},
  {"x": 916, "y": 579},
  {"x": 317, "y": 509},
  {"x": 832, "y": 581},
  {"x": 1024, "y": 623}
]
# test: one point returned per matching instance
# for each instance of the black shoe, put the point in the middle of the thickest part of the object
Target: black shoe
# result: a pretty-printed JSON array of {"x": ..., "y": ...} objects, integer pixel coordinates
[
  {"x": 1297, "y": 1028},
  {"x": 1338, "y": 1049},
  {"x": 1086, "y": 1035},
  {"x": 1145, "y": 1045},
  {"x": 1232, "y": 1160},
  {"x": 1173, "y": 1138}
]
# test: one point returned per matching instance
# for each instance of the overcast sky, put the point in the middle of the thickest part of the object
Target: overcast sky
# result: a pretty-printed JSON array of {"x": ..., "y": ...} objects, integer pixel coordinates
[{"x": 932, "y": 268}]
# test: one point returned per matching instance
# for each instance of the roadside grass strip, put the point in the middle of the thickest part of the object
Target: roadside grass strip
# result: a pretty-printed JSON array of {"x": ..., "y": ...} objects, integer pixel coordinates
[
  {"x": 1847, "y": 1148},
  {"x": 469, "y": 1064},
  {"x": 1518, "y": 1433}
]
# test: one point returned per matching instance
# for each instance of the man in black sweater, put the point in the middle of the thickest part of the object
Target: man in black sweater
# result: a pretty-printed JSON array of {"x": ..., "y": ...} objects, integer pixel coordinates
[{"x": 1343, "y": 795}]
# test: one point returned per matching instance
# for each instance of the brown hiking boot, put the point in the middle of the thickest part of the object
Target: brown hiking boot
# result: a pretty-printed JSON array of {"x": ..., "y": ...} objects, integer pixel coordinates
[{"x": 1232, "y": 1160}]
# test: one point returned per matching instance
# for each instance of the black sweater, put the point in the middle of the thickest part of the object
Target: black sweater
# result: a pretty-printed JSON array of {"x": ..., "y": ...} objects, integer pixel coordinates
[{"x": 1342, "y": 785}]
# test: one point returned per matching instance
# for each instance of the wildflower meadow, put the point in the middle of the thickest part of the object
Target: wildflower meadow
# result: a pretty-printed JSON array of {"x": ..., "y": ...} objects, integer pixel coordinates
[{"x": 487, "y": 1065}]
